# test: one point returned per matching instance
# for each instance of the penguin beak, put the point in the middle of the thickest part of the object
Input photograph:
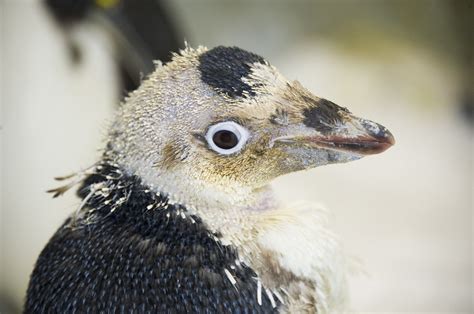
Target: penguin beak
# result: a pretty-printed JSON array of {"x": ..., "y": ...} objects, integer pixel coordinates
[
  {"x": 357, "y": 136},
  {"x": 328, "y": 133},
  {"x": 361, "y": 145}
]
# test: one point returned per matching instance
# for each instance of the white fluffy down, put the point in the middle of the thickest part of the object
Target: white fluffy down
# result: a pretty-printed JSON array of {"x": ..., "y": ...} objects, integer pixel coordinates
[{"x": 307, "y": 248}]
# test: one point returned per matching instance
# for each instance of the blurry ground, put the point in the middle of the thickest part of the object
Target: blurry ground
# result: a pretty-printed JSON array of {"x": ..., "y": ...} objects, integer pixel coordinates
[{"x": 406, "y": 214}]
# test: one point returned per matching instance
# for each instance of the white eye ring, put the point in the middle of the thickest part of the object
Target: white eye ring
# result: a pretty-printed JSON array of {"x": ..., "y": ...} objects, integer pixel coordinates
[{"x": 227, "y": 137}]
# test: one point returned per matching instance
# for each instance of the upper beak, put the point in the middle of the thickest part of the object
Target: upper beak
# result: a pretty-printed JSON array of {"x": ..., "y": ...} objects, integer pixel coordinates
[
  {"x": 356, "y": 136},
  {"x": 333, "y": 129}
]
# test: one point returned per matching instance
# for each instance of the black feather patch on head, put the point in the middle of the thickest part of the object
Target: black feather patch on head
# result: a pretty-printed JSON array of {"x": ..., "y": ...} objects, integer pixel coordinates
[{"x": 224, "y": 67}]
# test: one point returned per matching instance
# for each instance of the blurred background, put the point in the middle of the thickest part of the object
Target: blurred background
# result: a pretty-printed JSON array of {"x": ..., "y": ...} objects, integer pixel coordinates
[{"x": 405, "y": 215}]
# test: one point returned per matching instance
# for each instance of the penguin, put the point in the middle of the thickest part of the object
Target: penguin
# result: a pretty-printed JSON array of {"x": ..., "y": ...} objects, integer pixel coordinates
[{"x": 178, "y": 216}]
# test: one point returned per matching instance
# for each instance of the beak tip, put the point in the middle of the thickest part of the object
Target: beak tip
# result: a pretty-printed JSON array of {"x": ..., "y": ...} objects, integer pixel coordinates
[
  {"x": 380, "y": 137},
  {"x": 385, "y": 138}
]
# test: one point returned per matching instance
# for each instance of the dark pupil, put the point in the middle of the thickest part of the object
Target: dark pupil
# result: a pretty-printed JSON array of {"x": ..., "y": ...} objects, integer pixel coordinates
[{"x": 225, "y": 139}]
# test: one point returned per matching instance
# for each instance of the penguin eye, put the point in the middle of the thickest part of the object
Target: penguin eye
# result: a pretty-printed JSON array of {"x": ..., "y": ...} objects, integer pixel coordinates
[{"x": 227, "y": 137}]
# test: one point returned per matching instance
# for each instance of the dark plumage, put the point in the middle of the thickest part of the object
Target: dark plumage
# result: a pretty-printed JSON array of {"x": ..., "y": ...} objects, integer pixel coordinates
[
  {"x": 224, "y": 67},
  {"x": 137, "y": 258}
]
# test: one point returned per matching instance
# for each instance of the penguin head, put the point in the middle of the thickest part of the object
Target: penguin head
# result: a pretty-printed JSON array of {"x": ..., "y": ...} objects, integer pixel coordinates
[{"x": 220, "y": 124}]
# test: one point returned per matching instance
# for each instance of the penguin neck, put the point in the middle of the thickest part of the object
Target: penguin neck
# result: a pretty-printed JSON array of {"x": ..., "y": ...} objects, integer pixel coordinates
[
  {"x": 225, "y": 207},
  {"x": 234, "y": 219}
]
